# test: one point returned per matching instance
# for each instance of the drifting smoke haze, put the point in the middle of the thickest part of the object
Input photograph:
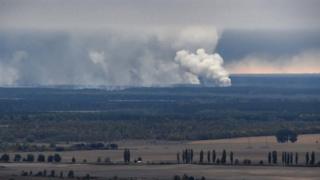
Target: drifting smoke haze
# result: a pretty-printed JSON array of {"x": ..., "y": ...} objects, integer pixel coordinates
[
  {"x": 150, "y": 43},
  {"x": 111, "y": 58},
  {"x": 8, "y": 75},
  {"x": 304, "y": 62}
]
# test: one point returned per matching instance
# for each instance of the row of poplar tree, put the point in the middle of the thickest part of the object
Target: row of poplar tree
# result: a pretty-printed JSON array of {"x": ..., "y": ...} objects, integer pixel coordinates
[
  {"x": 291, "y": 158},
  {"x": 186, "y": 156}
]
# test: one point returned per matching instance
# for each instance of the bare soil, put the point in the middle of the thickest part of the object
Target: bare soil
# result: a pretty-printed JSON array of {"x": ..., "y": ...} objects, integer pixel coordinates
[{"x": 254, "y": 148}]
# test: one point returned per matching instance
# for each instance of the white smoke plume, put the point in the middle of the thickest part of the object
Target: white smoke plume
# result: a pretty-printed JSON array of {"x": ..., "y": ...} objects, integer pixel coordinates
[{"x": 205, "y": 68}]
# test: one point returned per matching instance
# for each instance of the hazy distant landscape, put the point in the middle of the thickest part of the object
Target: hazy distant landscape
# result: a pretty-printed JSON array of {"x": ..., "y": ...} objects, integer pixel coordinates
[
  {"x": 159, "y": 90},
  {"x": 90, "y": 128},
  {"x": 255, "y": 105}
]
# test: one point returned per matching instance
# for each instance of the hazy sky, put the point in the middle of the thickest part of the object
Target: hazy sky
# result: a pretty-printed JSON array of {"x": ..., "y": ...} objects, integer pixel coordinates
[
  {"x": 126, "y": 42},
  {"x": 71, "y": 14}
]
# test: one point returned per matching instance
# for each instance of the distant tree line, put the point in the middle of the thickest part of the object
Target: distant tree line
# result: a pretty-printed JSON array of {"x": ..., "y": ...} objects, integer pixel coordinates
[
  {"x": 97, "y": 115},
  {"x": 31, "y": 158},
  {"x": 310, "y": 158},
  {"x": 29, "y": 147},
  {"x": 69, "y": 174},
  {"x": 94, "y": 146},
  {"x": 187, "y": 157},
  {"x": 187, "y": 177},
  {"x": 286, "y": 135},
  {"x": 292, "y": 158}
]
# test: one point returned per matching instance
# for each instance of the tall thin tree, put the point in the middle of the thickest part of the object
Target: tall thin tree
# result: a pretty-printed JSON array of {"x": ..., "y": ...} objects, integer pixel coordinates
[
  {"x": 231, "y": 157},
  {"x": 208, "y": 156},
  {"x": 214, "y": 156},
  {"x": 201, "y": 156},
  {"x": 307, "y": 158},
  {"x": 224, "y": 157}
]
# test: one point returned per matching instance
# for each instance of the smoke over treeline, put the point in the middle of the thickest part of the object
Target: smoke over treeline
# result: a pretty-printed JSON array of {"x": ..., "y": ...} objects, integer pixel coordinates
[
  {"x": 112, "y": 58},
  {"x": 135, "y": 43}
]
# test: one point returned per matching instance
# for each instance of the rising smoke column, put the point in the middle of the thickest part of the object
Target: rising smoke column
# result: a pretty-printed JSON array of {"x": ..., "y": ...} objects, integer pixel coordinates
[{"x": 208, "y": 68}]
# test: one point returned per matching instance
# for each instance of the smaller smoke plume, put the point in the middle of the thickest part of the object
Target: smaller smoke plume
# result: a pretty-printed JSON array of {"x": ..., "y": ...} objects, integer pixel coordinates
[
  {"x": 207, "y": 68},
  {"x": 8, "y": 75},
  {"x": 97, "y": 57}
]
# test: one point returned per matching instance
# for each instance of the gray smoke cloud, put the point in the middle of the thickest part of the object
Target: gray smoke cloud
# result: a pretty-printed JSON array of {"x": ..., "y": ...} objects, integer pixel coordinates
[
  {"x": 79, "y": 14},
  {"x": 9, "y": 73},
  {"x": 114, "y": 57},
  {"x": 134, "y": 43},
  {"x": 303, "y": 62}
]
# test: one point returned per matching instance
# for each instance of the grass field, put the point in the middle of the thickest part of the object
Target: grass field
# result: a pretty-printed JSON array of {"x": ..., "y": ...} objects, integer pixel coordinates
[
  {"x": 254, "y": 148},
  {"x": 168, "y": 171}
]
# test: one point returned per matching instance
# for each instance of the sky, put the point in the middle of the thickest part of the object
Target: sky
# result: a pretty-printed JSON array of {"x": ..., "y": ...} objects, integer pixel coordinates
[{"x": 153, "y": 42}]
